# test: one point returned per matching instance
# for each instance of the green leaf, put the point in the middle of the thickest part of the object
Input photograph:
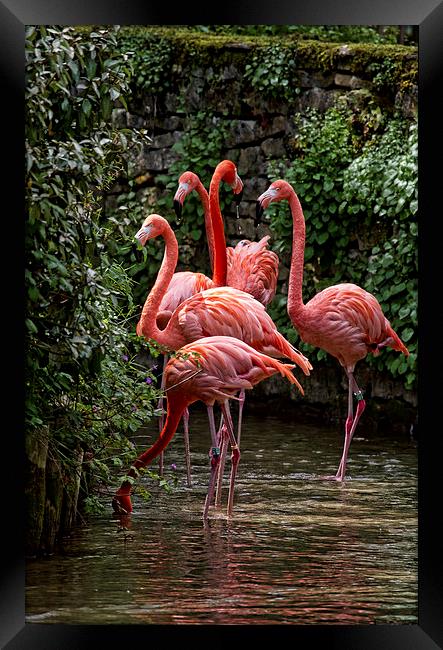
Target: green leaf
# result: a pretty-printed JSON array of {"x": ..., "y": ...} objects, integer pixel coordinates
[
  {"x": 86, "y": 107},
  {"x": 404, "y": 311},
  {"x": 407, "y": 334},
  {"x": 31, "y": 326}
]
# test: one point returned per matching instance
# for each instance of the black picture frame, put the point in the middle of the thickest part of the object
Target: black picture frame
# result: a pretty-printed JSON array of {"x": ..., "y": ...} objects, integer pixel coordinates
[{"x": 428, "y": 15}]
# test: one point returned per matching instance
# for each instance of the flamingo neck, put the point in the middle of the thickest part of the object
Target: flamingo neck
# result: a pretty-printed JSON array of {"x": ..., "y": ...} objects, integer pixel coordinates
[
  {"x": 219, "y": 242},
  {"x": 148, "y": 318},
  {"x": 173, "y": 417},
  {"x": 295, "y": 284},
  {"x": 175, "y": 412},
  {"x": 203, "y": 194}
]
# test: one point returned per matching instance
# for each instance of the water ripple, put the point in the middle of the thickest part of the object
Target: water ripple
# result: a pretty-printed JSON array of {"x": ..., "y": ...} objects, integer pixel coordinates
[{"x": 298, "y": 550}]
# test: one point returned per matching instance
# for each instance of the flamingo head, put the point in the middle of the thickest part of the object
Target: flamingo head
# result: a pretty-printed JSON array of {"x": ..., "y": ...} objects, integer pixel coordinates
[
  {"x": 236, "y": 184},
  {"x": 277, "y": 191},
  {"x": 187, "y": 182},
  {"x": 153, "y": 226},
  {"x": 228, "y": 172},
  {"x": 237, "y": 188}
]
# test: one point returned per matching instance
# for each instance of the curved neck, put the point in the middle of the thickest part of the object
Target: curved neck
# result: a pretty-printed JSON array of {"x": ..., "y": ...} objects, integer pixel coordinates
[
  {"x": 295, "y": 285},
  {"x": 204, "y": 196},
  {"x": 220, "y": 261},
  {"x": 148, "y": 318},
  {"x": 173, "y": 417}
]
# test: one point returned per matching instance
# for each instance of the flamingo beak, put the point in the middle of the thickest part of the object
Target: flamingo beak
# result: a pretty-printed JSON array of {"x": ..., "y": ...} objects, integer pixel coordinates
[
  {"x": 259, "y": 209},
  {"x": 180, "y": 195},
  {"x": 178, "y": 207},
  {"x": 237, "y": 188},
  {"x": 262, "y": 203},
  {"x": 143, "y": 234},
  {"x": 238, "y": 197}
]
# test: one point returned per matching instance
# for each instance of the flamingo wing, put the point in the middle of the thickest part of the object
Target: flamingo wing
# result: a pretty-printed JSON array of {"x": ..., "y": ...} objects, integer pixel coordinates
[
  {"x": 228, "y": 311},
  {"x": 348, "y": 322},
  {"x": 183, "y": 285},
  {"x": 217, "y": 367},
  {"x": 253, "y": 268}
]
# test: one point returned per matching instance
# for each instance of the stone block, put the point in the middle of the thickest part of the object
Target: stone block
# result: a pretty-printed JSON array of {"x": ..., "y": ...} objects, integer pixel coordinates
[
  {"x": 241, "y": 228},
  {"x": 242, "y": 132},
  {"x": 253, "y": 187},
  {"x": 315, "y": 79},
  {"x": 135, "y": 121},
  {"x": 251, "y": 162},
  {"x": 165, "y": 139},
  {"x": 273, "y": 148}
]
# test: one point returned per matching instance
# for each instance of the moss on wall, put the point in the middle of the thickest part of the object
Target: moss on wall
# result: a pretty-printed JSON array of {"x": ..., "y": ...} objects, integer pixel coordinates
[{"x": 219, "y": 50}]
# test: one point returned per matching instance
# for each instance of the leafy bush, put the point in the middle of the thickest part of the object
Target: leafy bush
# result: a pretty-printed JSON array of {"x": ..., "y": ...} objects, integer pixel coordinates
[{"x": 79, "y": 378}]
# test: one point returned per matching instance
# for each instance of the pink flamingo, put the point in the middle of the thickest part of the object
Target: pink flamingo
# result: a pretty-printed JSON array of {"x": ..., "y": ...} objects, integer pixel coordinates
[
  {"x": 251, "y": 266},
  {"x": 186, "y": 283},
  {"x": 344, "y": 320},
  {"x": 211, "y": 369}
]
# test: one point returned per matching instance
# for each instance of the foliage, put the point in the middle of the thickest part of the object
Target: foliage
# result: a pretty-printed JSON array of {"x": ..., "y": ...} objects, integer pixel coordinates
[
  {"x": 350, "y": 184},
  {"x": 271, "y": 71},
  {"x": 81, "y": 374},
  {"x": 152, "y": 63}
]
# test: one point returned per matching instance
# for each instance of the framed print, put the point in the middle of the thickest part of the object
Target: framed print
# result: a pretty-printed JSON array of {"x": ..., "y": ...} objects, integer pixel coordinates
[{"x": 319, "y": 586}]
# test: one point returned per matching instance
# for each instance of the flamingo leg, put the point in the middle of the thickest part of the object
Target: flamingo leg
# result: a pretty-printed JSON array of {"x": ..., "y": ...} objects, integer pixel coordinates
[
  {"x": 235, "y": 456},
  {"x": 224, "y": 445},
  {"x": 351, "y": 423},
  {"x": 241, "y": 401},
  {"x": 185, "y": 429},
  {"x": 187, "y": 448},
  {"x": 214, "y": 455},
  {"x": 161, "y": 421},
  {"x": 223, "y": 436}
]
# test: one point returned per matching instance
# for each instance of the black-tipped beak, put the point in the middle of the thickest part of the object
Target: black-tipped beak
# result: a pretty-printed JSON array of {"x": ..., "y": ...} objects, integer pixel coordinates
[
  {"x": 258, "y": 213},
  {"x": 178, "y": 207},
  {"x": 238, "y": 197}
]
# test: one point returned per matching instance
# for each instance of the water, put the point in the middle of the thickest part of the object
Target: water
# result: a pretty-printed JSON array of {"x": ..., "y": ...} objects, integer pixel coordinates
[{"x": 298, "y": 550}]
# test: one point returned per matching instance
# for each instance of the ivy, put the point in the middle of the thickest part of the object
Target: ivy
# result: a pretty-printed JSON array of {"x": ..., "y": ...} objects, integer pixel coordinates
[
  {"x": 271, "y": 71},
  {"x": 152, "y": 63}
]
